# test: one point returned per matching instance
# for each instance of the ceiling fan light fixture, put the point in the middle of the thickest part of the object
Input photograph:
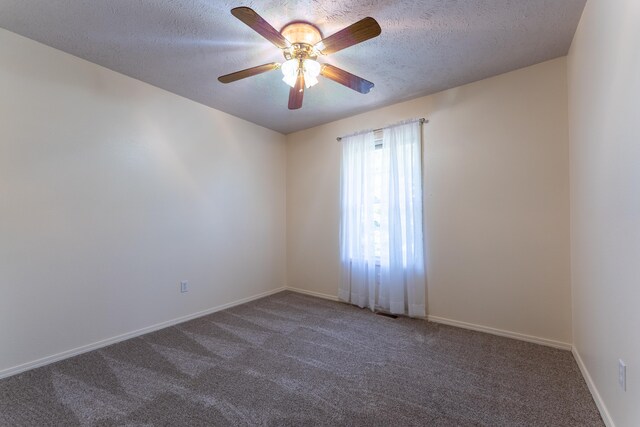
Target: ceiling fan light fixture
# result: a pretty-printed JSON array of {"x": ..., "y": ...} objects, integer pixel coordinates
[{"x": 308, "y": 67}]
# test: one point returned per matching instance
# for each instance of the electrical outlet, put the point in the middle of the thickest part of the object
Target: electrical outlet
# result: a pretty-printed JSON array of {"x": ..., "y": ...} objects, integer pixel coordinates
[
  {"x": 622, "y": 375},
  {"x": 184, "y": 286}
]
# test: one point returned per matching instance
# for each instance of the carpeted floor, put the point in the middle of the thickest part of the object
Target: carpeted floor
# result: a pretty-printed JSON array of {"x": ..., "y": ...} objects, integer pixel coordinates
[{"x": 291, "y": 359}]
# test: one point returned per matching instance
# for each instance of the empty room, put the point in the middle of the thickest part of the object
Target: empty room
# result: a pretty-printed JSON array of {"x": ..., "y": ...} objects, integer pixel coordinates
[{"x": 320, "y": 212}]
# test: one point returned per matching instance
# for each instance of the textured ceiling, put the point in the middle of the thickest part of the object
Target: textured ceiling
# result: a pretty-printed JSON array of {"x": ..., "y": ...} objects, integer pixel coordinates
[{"x": 183, "y": 46}]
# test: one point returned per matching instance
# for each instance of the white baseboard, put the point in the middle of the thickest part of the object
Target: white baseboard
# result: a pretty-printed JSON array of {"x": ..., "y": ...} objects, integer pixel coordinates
[
  {"x": 500, "y": 332},
  {"x": 103, "y": 343},
  {"x": 604, "y": 413},
  {"x": 459, "y": 324},
  {"x": 313, "y": 294}
]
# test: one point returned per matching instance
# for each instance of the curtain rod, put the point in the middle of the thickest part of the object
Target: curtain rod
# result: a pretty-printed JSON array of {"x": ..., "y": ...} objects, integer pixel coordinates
[{"x": 421, "y": 120}]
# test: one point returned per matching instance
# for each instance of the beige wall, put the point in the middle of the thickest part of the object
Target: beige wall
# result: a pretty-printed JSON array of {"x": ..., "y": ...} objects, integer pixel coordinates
[
  {"x": 496, "y": 201},
  {"x": 111, "y": 192},
  {"x": 604, "y": 105}
]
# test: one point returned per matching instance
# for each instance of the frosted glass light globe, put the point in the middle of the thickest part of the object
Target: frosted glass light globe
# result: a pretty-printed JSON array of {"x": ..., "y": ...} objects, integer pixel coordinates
[
  {"x": 290, "y": 71},
  {"x": 311, "y": 70}
]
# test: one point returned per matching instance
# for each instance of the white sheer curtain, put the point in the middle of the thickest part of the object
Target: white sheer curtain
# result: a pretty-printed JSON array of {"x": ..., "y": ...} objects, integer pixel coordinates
[{"x": 381, "y": 239}]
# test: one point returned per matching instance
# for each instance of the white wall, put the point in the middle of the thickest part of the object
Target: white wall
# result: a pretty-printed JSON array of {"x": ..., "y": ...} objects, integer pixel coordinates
[
  {"x": 111, "y": 192},
  {"x": 496, "y": 201},
  {"x": 604, "y": 122}
]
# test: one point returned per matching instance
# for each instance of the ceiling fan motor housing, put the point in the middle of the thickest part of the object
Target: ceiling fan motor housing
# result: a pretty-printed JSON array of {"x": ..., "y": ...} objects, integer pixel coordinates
[{"x": 303, "y": 36}]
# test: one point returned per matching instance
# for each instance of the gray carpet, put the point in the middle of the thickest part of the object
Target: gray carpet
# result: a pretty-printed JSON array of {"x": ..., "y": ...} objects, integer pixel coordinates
[{"x": 291, "y": 359}]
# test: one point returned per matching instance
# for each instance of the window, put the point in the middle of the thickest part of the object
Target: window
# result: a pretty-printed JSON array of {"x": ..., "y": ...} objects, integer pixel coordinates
[{"x": 381, "y": 243}]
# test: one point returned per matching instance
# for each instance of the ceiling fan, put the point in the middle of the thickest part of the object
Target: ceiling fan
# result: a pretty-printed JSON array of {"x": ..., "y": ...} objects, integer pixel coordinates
[{"x": 302, "y": 43}]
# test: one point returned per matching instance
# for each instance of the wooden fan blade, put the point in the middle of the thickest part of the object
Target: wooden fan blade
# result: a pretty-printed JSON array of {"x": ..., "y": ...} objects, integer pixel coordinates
[
  {"x": 259, "y": 25},
  {"x": 238, "y": 75},
  {"x": 297, "y": 93},
  {"x": 362, "y": 30},
  {"x": 345, "y": 78}
]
